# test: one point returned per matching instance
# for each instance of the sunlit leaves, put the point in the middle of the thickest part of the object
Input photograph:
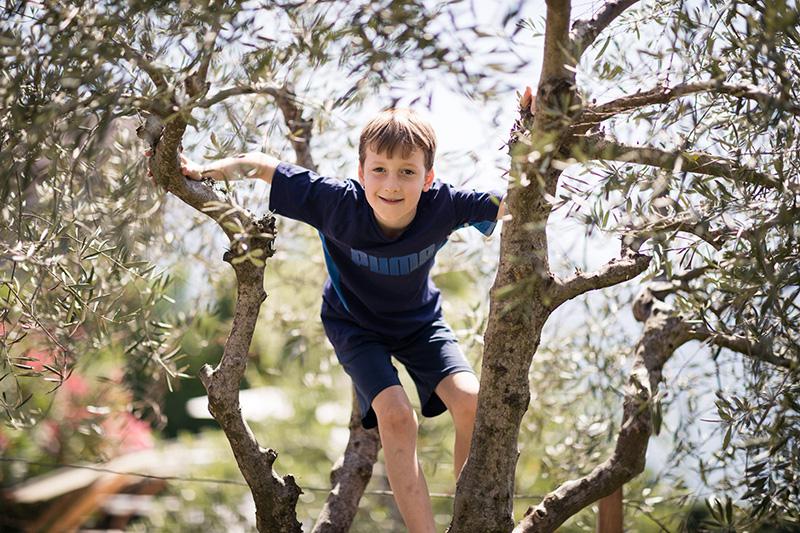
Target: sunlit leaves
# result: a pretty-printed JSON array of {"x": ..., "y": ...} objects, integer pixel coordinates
[{"x": 732, "y": 245}]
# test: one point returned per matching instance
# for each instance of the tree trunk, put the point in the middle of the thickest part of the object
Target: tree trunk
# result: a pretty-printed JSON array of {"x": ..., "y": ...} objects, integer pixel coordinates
[
  {"x": 520, "y": 298},
  {"x": 349, "y": 477}
]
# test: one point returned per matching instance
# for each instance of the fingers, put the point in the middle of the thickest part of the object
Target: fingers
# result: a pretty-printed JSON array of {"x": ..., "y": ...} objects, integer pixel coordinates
[
  {"x": 525, "y": 99},
  {"x": 191, "y": 172},
  {"x": 188, "y": 169},
  {"x": 185, "y": 171},
  {"x": 528, "y": 100}
]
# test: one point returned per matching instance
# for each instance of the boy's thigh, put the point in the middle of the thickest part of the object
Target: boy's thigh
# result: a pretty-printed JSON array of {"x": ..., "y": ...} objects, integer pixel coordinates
[
  {"x": 370, "y": 367},
  {"x": 366, "y": 358},
  {"x": 431, "y": 356}
]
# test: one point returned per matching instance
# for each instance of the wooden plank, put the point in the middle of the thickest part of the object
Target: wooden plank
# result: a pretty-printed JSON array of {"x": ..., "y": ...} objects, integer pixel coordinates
[
  {"x": 609, "y": 515},
  {"x": 81, "y": 505}
]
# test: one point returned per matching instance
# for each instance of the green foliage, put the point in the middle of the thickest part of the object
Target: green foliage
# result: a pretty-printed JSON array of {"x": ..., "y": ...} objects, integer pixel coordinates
[
  {"x": 80, "y": 225},
  {"x": 735, "y": 262},
  {"x": 84, "y": 237}
]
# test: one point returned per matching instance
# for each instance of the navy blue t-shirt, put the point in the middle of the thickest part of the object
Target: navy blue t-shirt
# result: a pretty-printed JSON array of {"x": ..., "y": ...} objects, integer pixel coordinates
[{"x": 380, "y": 283}]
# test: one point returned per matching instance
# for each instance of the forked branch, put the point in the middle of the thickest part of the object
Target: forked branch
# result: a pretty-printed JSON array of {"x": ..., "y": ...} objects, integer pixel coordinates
[
  {"x": 612, "y": 273},
  {"x": 275, "y": 497},
  {"x": 585, "y": 32},
  {"x": 663, "y": 334}
]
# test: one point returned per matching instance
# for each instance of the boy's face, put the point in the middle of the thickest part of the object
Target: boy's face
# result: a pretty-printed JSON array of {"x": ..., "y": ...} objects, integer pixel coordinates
[{"x": 393, "y": 186}]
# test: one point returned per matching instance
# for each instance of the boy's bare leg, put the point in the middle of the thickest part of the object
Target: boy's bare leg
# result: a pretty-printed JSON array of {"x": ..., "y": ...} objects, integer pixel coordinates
[
  {"x": 459, "y": 392},
  {"x": 397, "y": 425}
]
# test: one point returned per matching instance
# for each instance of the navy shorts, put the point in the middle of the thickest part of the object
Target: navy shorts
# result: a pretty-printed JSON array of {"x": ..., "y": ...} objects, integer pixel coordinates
[{"x": 429, "y": 355}]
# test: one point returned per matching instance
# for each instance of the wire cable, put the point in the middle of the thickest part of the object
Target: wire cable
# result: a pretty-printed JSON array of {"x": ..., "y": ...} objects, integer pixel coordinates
[{"x": 216, "y": 480}]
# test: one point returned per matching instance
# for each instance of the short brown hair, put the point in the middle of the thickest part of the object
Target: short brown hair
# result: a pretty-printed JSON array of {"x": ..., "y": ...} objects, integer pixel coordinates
[{"x": 401, "y": 129}]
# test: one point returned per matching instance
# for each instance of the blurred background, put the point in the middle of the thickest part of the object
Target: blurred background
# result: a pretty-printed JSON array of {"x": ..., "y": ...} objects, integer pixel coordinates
[{"x": 114, "y": 295}]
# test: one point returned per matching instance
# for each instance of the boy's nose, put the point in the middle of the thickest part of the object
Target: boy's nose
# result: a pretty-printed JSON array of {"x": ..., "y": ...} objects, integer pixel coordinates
[{"x": 393, "y": 184}]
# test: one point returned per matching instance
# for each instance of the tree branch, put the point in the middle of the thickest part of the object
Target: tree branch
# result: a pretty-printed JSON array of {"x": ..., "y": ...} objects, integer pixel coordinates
[
  {"x": 349, "y": 477},
  {"x": 275, "y": 497},
  {"x": 556, "y": 43},
  {"x": 596, "y": 147},
  {"x": 761, "y": 350},
  {"x": 685, "y": 221},
  {"x": 661, "y": 95},
  {"x": 299, "y": 127},
  {"x": 663, "y": 334},
  {"x": 485, "y": 487},
  {"x": 614, "y": 272},
  {"x": 584, "y": 32},
  {"x": 224, "y": 94},
  {"x": 196, "y": 85},
  {"x": 157, "y": 75}
]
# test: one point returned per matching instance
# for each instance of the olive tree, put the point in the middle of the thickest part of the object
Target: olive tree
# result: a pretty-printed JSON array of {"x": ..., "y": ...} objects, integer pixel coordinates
[
  {"x": 76, "y": 77},
  {"x": 713, "y": 168},
  {"x": 692, "y": 162}
]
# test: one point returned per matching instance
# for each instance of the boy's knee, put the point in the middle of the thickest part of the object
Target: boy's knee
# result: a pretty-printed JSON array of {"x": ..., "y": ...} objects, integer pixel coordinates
[
  {"x": 397, "y": 417},
  {"x": 466, "y": 407}
]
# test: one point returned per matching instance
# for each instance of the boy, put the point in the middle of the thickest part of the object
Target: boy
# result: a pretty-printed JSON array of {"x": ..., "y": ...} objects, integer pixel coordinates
[{"x": 379, "y": 236}]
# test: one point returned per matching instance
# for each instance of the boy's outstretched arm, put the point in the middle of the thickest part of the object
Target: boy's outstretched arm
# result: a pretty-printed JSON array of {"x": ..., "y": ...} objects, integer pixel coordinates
[{"x": 250, "y": 165}]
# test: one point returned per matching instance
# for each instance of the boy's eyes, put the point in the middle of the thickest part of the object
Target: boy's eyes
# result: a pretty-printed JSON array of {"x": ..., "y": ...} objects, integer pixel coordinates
[{"x": 405, "y": 171}]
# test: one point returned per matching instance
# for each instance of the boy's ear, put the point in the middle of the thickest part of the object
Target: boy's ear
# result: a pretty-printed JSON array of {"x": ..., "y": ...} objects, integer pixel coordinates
[
  {"x": 428, "y": 181},
  {"x": 361, "y": 174}
]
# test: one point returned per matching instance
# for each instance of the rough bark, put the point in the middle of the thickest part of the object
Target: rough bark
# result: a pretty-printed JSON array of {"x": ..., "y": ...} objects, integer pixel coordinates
[
  {"x": 349, "y": 477},
  {"x": 519, "y": 297},
  {"x": 275, "y": 497},
  {"x": 663, "y": 334},
  {"x": 614, "y": 272},
  {"x": 524, "y": 293}
]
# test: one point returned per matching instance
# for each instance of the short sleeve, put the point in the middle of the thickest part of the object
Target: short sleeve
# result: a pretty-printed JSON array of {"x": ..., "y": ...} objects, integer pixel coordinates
[
  {"x": 476, "y": 208},
  {"x": 303, "y": 195}
]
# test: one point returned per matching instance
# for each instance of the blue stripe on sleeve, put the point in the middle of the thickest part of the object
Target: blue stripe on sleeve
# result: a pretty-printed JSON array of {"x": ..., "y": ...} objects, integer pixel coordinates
[{"x": 333, "y": 272}]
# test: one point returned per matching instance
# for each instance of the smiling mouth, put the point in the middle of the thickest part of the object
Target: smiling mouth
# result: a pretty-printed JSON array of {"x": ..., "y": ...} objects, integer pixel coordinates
[{"x": 389, "y": 201}]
